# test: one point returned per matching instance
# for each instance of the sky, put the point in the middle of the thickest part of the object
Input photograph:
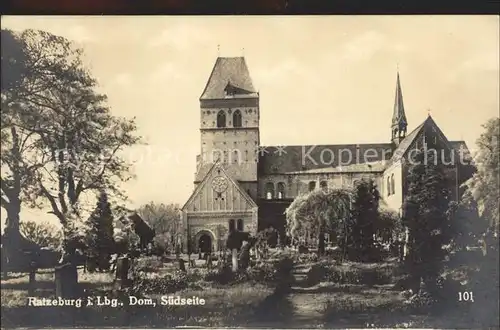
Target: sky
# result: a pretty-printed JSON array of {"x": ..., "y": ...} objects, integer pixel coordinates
[{"x": 322, "y": 79}]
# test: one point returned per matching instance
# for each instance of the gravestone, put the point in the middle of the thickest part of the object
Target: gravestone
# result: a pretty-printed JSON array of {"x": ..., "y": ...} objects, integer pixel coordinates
[
  {"x": 209, "y": 261},
  {"x": 122, "y": 268},
  {"x": 303, "y": 249},
  {"x": 401, "y": 251},
  {"x": 32, "y": 278},
  {"x": 192, "y": 263},
  {"x": 182, "y": 265},
  {"x": 244, "y": 258},
  {"x": 66, "y": 280}
]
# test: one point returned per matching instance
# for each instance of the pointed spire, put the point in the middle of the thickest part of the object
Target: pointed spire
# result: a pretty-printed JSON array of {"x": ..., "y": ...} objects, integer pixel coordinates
[
  {"x": 398, "y": 116},
  {"x": 399, "y": 123}
]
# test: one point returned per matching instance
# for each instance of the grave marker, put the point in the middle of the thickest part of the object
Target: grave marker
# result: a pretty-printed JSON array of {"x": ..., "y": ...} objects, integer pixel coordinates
[
  {"x": 66, "y": 280},
  {"x": 122, "y": 269}
]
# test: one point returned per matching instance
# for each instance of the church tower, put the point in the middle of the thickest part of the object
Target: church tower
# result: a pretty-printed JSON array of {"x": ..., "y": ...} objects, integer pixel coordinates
[
  {"x": 399, "y": 123},
  {"x": 229, "y": 123}
]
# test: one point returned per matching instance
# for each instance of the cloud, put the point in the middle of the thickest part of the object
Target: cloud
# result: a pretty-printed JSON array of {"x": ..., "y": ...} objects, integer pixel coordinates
[
  {"x": 487, "y": 61},
  {"x": 180, "y": 37},
  {"x": 281, "y": 72},
  {"x": 122, "y": 79},
  {"x": 168, "y": 72},
  {"x": 364, "y": 46}
]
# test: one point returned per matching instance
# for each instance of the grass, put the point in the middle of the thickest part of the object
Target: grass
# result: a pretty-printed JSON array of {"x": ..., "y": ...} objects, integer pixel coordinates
[
  {"x": 225, "y": 306},
  {"x": 324, "y": 303}
]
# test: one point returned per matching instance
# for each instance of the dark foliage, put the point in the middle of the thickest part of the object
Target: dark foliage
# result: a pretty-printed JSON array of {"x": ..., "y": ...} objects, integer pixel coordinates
[
  {"x": 364, "y": 218},
  {"x": 235, "y": 239},
  {"x": 100, "y": 235},
  {"x": 426, "y": 209}
]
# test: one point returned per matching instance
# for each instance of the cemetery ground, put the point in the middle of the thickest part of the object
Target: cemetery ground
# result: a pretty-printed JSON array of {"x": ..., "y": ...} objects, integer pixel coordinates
[{"x": 324, "y": 293}]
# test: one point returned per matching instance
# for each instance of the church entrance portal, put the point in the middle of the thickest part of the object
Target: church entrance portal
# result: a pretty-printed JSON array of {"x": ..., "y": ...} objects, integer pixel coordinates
[{"x": 205, "y": 243}]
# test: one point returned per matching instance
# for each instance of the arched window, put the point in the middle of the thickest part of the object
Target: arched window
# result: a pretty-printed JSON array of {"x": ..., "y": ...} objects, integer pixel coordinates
[
  {"x": 237, "y": 118},
  {"x": 231, "y": 225},
  {"x": 269, "y": 190},
  {"x": 312, "y": 185},
  {"x": 221, "y": 119},
  {"x": 239, "y": 225},
  {"x": 388, "y": 186},
  {"x": 323, "y": 185},
  {"x": 393, "y": 185},
  {"x": 281, "y": 190}
]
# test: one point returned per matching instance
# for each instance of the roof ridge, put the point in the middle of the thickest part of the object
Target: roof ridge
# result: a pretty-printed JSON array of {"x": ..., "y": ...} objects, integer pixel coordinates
[{"x": 320, "y": 145}]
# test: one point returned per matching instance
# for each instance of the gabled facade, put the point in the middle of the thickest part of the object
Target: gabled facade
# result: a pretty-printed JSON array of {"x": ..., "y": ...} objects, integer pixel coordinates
[
  {"x": 242, "y": 185},
  {"x": 217, "y": 205}
]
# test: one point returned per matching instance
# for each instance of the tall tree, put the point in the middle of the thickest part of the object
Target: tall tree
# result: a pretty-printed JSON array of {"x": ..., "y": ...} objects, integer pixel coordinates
[
  {"x": 100, "y": 236},
  {"x": 298, "y": 223},
  {"x": 485, "y": 183},
  {"x": 322, "y": 211},
  {"x": 467, "y": 226},
  {"x": 165, "y": 221},
  {"x": 35, "y": 63},
  {"x": 365, "y": 212},
  {"x": 163, "y": 218},
  {"x": 82, "y": 141},
  {"x": 426, "y": 216}
]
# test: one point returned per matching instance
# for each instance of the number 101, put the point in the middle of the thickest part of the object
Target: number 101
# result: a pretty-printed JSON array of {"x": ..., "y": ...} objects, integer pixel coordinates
[{"x": 465, "y": 296}]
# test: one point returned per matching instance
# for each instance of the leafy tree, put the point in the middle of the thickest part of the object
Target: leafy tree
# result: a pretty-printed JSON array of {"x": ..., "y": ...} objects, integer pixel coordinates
[
  {"x": 389, "y": 225},
  {"x": 165, "y": 220},
  {"x": 32, "y": 63},
  {"x": 70, "y": 128},
  {"x": 100, "y": 234},
  {"x": 14, "y": 63},
  {"x": 467, "y": 226},
  {"x": 25, "y": 71},
  {"x": 485, "y": 183},
  {"x": 298, "y": 224},
  {"x": 44, "y": 234},
  {"x": 321, "y": 211},
  {"x": 365, "y": 216},
  {"x": 78, "y": 137},
  {"x": 426, "y": 216},
  {"x": 124, "y": 235}
]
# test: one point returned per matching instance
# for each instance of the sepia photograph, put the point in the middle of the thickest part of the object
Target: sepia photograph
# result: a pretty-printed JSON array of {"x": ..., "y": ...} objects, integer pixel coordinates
[{"x": 250, "y": 171}]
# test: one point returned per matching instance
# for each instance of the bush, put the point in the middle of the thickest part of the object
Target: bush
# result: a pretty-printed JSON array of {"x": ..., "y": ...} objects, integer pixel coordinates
[
  {"x": 161, "y": 244},
  {"x": 316, "y": 274},
  {"x": 264, "y": 273},
  {"x": 307, "y": 258},
  {"x": 144, "y": 284},
  {"x": 147, "y": 264},
  {"x": 359, "y": 276}
]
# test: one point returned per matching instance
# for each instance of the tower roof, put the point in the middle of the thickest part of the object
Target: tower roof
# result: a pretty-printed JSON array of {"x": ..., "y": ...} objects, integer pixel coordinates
[
  {"x": 398, "y": 116},
  {"x": 229, "y": 74}
]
